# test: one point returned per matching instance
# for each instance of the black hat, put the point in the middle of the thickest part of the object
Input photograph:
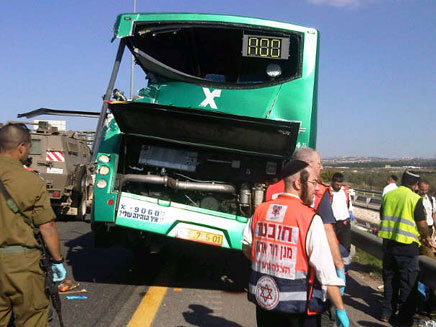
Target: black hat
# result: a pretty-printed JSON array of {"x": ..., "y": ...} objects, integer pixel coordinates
[{"x": 293, "y": 167}]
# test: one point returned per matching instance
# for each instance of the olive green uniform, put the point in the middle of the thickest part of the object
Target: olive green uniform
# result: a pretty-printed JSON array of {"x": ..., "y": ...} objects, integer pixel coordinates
[{"x": 21, "y": 278}]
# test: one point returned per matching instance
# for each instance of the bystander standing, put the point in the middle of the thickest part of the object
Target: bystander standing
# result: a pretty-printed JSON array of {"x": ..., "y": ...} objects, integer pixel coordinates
[
  {"x": 342, "y": 209},
  {"x": 403, "y": 227},
  {"x": 391, "y": 184}
]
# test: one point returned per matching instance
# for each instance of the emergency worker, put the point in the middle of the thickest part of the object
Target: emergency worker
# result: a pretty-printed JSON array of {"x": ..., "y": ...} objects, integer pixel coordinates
[
  {"x": 292, "y": 269},
  {"x": 403, "y": 227},
  {"x": 321, "y": 204},
  {"x": 21, "y": 277}
]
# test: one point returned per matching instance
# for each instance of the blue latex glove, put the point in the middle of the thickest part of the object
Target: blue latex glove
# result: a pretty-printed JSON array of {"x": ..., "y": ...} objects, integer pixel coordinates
[
  {"x": 59, "y": 272},
  {"x": 351, "y": 215},
  {"x": 341, "y": 275},
  {"x": 342, "y": 318}
]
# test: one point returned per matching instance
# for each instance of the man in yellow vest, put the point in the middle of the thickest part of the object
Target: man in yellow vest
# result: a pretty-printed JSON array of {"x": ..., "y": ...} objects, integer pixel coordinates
[{"x": 403, "y": 227}]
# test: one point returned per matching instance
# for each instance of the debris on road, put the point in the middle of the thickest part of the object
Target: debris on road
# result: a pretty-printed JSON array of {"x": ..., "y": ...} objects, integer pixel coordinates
[
  {"x": 67, "y": 285},
  {"x": 75, "y": 297},
  {"x": 73, "y": 292}
]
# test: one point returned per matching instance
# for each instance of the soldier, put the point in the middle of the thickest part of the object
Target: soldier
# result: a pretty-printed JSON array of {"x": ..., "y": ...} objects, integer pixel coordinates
[{"x": 21, "y": 277}]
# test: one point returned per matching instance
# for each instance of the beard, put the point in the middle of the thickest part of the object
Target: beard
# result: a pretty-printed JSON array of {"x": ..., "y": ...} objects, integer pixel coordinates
[{"x": 305, "y": 196}]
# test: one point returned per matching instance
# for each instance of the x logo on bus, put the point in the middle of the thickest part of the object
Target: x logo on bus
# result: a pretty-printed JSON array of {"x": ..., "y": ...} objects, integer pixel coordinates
[{"x": 210, "y": 98}]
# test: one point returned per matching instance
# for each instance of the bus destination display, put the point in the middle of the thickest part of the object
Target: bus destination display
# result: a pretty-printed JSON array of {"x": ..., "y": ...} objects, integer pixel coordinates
[{"x": 270, "y": 47}]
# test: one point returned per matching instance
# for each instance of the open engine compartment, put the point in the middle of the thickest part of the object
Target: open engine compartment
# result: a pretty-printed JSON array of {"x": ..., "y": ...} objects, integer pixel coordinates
[
  {"x": 215, "y": 180},
  {"x": 199, "y": 158}
]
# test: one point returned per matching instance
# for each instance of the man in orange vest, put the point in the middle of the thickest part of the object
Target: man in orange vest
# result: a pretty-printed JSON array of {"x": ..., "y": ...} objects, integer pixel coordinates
[
  {"x": 292, "y": 269},
  {"x": 321, "y": 204}
]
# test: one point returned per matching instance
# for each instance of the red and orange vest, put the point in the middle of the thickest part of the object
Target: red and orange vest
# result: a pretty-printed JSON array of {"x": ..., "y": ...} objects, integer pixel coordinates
[
  {"x": 281, "y": 279},
  {"x": 279, "y": 187}
]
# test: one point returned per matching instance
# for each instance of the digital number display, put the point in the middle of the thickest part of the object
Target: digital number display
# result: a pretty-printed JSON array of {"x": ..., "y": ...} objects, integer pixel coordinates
[{"x": 265, "y": 47}]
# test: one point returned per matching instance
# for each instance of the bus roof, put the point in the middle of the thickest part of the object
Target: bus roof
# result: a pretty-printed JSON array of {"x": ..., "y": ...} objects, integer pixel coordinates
[{"x": 125, "y": 22}]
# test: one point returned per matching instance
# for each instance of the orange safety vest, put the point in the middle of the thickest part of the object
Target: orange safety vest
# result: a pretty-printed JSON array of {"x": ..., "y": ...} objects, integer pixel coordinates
[
  {"x": 279, "y": 188},
  {"x": 320, "y": 193},
  {"x": 274, "y": 189},
  {"x": 281, "y": 279}
]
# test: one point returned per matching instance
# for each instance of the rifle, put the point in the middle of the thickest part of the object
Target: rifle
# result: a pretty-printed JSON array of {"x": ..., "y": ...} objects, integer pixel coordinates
[{"x": 50, "y": 286}]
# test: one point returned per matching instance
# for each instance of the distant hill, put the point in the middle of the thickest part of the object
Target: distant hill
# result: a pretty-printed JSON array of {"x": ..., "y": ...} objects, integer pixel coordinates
[{"x": 376, "y": 162}]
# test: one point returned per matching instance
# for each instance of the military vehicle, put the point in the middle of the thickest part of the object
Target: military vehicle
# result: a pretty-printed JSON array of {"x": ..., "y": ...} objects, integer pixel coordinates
[{"x": 61, "y": 158}]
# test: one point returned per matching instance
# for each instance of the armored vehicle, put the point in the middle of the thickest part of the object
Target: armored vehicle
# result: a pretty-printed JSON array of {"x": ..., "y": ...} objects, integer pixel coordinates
[{"x": 61, "y": 158}]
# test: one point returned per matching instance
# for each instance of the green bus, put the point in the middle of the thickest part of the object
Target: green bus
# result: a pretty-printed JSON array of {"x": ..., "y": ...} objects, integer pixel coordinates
[{"x": 227, "y": 99}]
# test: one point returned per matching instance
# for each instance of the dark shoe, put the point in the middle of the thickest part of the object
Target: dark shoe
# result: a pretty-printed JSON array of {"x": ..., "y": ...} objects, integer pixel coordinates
[{"x": 384, "y": 319}]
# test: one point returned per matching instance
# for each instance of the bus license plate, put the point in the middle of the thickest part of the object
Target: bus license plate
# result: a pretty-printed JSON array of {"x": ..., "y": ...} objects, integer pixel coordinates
[{"x": 200, "y": 236}]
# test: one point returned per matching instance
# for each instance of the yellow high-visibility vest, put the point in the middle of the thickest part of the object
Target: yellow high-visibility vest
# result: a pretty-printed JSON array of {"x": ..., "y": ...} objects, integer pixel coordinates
[{"x": 398, "y": 223}]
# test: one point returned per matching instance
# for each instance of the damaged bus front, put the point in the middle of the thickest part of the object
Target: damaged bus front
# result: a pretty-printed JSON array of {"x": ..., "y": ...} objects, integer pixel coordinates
[{"x": 227, "y": 101}]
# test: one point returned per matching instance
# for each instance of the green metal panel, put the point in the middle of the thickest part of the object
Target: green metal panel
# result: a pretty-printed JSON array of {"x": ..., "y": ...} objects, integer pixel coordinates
[
  {"x": 238, "y": 102},
  {"x": 172, "y": 219},
  {"x": 109, "y": 146},
  {"x": 294, "y": 100},
  {"x": 104, "y": 207}
]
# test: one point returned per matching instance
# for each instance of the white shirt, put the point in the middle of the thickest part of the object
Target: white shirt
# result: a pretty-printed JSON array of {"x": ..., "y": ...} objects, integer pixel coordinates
[
  {"x": 389, "y": 187},
  {"x": 317, "y": 250},
  {"x": 341, "y": 210},
  {"x": 429, "y": 210}
]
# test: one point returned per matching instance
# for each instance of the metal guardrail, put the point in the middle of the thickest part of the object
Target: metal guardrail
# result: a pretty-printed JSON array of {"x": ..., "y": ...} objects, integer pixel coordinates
[
  {"x": 373, "y": 245},
  {"x": 366, "y": 199}
]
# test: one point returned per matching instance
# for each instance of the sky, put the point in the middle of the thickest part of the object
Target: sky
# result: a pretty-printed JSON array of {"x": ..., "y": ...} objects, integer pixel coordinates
[{"x": 377, "y": 73}]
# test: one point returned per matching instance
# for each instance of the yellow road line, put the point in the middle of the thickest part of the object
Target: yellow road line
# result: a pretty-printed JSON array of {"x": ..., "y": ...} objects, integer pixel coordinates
[
  {"x": 147, "y": 309},
  {"x": 150, "y": 303}
]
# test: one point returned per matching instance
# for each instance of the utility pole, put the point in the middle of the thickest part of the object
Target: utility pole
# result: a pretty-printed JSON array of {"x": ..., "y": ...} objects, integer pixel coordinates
[{"x": 132, "y": 61}]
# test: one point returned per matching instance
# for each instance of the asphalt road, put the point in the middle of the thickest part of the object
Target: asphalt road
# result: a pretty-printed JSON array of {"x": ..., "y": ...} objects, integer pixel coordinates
[{"x": 188, "y": 284}]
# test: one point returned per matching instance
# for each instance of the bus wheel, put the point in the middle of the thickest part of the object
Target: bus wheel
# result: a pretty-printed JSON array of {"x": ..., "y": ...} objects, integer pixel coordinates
[{"x": 82, "y": 203}]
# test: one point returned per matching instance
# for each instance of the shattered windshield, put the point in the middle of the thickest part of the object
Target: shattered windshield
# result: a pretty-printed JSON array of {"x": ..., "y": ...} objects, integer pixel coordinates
[{"x": 230, "y": 55}]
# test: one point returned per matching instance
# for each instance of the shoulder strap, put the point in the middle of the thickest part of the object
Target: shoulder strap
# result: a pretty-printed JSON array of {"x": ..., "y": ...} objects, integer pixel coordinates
[{"x": 13, "y": 205}]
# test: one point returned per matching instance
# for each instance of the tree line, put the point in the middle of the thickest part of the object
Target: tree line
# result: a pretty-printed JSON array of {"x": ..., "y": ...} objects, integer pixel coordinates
[{"x": 374, "y": 179}]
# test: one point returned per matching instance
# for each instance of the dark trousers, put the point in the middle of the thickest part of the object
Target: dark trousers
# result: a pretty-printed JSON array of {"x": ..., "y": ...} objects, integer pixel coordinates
[
  {"x": 343, "y": 233},
  {"x": 277, "y": 319},
  {"x": 400, "y": 277}
]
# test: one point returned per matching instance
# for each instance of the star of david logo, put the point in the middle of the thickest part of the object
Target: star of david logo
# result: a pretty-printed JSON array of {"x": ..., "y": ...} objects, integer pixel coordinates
[
  {"x": 266, "y": 292},
  {"x": 276, "y": 210}
]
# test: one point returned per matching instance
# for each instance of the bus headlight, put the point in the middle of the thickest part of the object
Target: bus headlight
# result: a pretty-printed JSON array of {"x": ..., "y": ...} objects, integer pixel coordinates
[
  {"x": 101, "y": 183},
  {"x": 103, "y": 170},
  {"x": 104, "y": 158}
]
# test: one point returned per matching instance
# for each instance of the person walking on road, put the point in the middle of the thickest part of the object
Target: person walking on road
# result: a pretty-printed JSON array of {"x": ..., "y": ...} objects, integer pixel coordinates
[
  {"x": 403, "y": 227},
  {"x": 292, "y": 269},
  {"x": 22, "y": 291}
]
